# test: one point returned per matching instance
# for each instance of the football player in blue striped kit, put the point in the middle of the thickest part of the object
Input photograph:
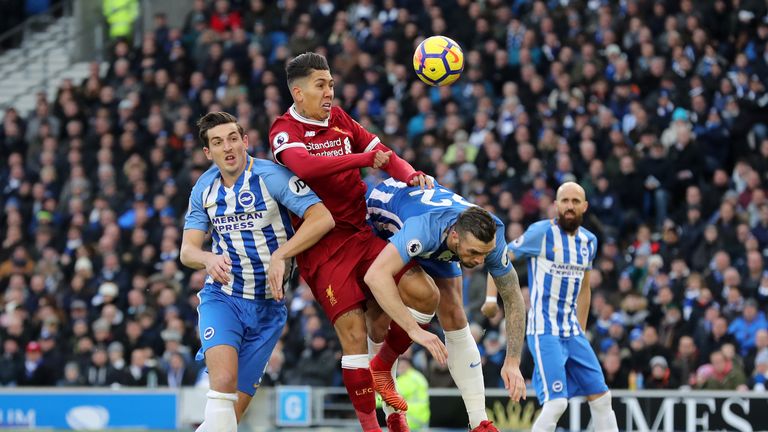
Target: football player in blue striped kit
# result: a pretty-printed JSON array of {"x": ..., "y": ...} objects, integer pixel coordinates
[
  {"x": 246, "y": 202},
  {"x": 560, "y": 254},
  {"x": 440, "y": 230}
]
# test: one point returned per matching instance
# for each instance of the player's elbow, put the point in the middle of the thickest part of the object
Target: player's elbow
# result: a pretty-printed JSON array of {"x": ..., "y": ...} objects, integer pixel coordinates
[{"x": 371, "y": 276}]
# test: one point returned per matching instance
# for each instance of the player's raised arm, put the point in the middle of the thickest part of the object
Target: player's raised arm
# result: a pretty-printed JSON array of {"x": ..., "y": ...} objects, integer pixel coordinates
[
  {"x": 380, "y": 278},
  {"x": 318, "y": 221}
]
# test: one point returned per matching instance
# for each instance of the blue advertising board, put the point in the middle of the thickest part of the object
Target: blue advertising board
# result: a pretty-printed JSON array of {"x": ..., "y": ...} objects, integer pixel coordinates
[
  {"x": 87, "y": 410},
  {"x": 294, "y": 406}
]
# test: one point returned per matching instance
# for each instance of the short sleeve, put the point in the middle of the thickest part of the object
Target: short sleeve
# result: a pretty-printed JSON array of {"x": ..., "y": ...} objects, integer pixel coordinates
[
  {"x": 284, "y": 135},
  {"x": 592, "y": 250},
  {"x": 289, "y": 189},
  {"x": 528, "y": 244},
  {"x": 196, "y": 217},
  {"x": 413, "y": 239},
  {"x": 362, "y": 140},
  {"x": 497, "y": 262}
]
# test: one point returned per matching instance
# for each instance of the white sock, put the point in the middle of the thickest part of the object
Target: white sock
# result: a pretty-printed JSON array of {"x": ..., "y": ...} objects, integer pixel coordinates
[
  {"x": 603, "y": 416},
  {"x": 220, "y": 412},
  {"x": 373, "y": 349},
  {"x": 462, "y": 355},
  {"x": 550, "y": 414}
]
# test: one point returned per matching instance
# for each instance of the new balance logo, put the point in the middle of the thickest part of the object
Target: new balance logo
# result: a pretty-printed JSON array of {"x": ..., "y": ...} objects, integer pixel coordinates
[{"x": 309, "y": 134}]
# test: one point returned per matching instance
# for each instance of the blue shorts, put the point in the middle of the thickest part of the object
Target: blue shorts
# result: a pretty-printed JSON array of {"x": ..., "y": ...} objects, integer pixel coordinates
[
  {"x": 252, "y": 327},
  {"x": 440, "y": 269},
  {"x": 564, "y": 367}
]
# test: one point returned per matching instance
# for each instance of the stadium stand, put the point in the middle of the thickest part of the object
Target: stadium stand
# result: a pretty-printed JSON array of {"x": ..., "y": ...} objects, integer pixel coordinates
[{"x": 658, "y": 108}]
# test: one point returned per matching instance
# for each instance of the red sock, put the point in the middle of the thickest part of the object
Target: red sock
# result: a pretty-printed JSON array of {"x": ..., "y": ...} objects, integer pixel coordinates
[
  {"x": 396, "y": 343},
  {"x": 359, "y": 385}
]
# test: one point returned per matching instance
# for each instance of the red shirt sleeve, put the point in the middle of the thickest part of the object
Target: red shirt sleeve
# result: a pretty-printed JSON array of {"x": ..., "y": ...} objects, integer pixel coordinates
[
  {"x": 290, "y": 151},
  {"x": 310, "y": 167}
]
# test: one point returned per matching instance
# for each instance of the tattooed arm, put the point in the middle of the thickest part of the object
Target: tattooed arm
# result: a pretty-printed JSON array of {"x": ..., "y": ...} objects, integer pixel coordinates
[{"x": 508, "y": 287}]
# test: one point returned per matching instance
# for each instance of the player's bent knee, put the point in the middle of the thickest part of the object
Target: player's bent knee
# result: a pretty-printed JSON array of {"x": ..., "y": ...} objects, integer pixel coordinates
[{"x": 351, "y": 330}]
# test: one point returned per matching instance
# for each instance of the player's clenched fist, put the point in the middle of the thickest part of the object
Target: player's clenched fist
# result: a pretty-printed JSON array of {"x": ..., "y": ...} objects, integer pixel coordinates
[
  {"x": 219, "y": 267},
  {"x": 381, "y": 158}
]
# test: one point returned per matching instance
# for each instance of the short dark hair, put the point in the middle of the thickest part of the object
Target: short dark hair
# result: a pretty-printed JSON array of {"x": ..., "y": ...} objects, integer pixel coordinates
[
  {"x": 213, "y": 119},
  {"x": 302, "y": 66},
  {"x": 478, "y": 222}
]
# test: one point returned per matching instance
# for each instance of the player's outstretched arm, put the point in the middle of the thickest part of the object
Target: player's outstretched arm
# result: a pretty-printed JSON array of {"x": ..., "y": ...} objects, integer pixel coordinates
[
  {"x": 514, "y": 312},
  {"x": 583, "y": 301},
  {"x": 380, "y": 278},
  {"x": 318, "y": 221},
  {"x": 309, "y": 167},
  {"x": 193, "y": 256}
]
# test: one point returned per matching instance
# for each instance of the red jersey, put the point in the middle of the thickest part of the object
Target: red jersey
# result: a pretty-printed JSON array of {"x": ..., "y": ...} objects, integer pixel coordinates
[{"x": 343, "y": 192}]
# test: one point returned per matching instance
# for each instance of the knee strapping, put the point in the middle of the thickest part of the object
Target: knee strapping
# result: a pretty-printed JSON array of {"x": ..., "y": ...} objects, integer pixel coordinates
[{"x": 421, "y": 318}]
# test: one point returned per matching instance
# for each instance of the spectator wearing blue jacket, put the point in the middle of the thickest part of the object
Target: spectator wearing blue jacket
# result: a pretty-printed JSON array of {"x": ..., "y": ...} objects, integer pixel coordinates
[{"x": 745, "y": 327}]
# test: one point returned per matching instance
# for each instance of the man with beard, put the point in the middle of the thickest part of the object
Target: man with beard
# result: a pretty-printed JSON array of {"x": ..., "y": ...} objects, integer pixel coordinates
[
  {"x": 560, "y": 254},
  {"x": 441, "y": 231}
]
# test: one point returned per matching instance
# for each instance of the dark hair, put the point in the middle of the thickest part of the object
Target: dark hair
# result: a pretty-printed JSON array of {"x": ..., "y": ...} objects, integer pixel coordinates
[
  {"x": 478, "y": 222},
  {"x": 302, "y": 66},
  {"x": 213, "y": 119}
]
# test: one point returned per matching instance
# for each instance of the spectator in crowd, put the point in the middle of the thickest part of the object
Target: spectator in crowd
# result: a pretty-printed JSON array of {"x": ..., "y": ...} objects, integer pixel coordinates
[{"x": 725, "y": 375}]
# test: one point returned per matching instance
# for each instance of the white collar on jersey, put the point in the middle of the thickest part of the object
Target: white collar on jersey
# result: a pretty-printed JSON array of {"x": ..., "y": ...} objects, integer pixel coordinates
[{"x": 295, "y": 114}]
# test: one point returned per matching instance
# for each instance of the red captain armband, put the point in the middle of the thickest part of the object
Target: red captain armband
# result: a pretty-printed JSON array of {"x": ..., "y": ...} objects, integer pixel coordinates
[{"x": 414, "y": 175}]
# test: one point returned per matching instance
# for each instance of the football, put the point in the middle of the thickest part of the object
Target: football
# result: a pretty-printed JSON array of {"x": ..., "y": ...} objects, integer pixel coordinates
[{"x": 438, "y": 61}]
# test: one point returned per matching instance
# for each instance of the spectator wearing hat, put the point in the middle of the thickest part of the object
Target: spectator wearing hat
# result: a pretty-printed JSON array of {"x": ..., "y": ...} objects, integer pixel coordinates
[
  {"x": 36, "y": 372},
  {"x": 759, "y": 379},
  {"x": 661, "y": 376}
]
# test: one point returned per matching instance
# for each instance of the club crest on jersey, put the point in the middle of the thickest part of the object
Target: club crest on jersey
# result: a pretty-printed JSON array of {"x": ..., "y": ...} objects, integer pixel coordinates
[
  {"x": 246, "y": 198},
  {"x": 584, "y": 251},
  {"x": 208, "y": 333},
  {"x": 557, "y": 386},
  {"x": 280, "y": 139},
  {"x": 414, "y": 247},
  {"x": 340, "y": 130}
]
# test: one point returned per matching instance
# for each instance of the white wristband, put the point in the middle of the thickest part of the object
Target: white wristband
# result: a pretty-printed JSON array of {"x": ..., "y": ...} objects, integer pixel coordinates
[{"x": 490, "y": 299}]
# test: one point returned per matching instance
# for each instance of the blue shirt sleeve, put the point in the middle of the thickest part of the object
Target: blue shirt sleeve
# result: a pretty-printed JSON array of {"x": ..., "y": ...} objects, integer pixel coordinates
[
  {"x": 497, "y": 262},
  {"x": 593, "y": 254},
  {"x": 415, "y": 238},
  {"x": 529, "y": 244},
  {"x": 288, "y": 189},
  {"x": 197, "y": 217}
]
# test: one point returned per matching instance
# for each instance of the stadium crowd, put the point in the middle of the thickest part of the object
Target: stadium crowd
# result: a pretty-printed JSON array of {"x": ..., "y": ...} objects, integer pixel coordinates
[{"x": 658, "y": 109}]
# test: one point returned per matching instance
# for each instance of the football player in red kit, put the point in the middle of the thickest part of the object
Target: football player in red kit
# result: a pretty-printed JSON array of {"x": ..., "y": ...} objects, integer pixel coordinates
[{"x": 326, "y": 148}]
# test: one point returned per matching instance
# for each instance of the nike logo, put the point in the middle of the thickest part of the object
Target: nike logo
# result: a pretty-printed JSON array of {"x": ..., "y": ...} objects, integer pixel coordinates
[
  {"x": 555, "y": 249},
  {"x": 209, "y": 205},
  {"x": 474, "y": 365}
]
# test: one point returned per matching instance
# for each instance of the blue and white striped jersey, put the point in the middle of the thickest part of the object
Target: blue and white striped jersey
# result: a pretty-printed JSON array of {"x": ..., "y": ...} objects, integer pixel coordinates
[
  {"x": 250, "y": 220},
  {"x": 556, "y": 265},
  {"x": 417, "y": 222}
]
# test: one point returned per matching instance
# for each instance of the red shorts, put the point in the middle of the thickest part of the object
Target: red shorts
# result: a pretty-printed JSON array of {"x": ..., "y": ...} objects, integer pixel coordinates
[{"x": 337, "y": 282}]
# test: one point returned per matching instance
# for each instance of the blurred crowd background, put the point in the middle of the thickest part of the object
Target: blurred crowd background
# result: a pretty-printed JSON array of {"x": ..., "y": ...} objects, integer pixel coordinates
[{"x": 658, "y": 108}]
